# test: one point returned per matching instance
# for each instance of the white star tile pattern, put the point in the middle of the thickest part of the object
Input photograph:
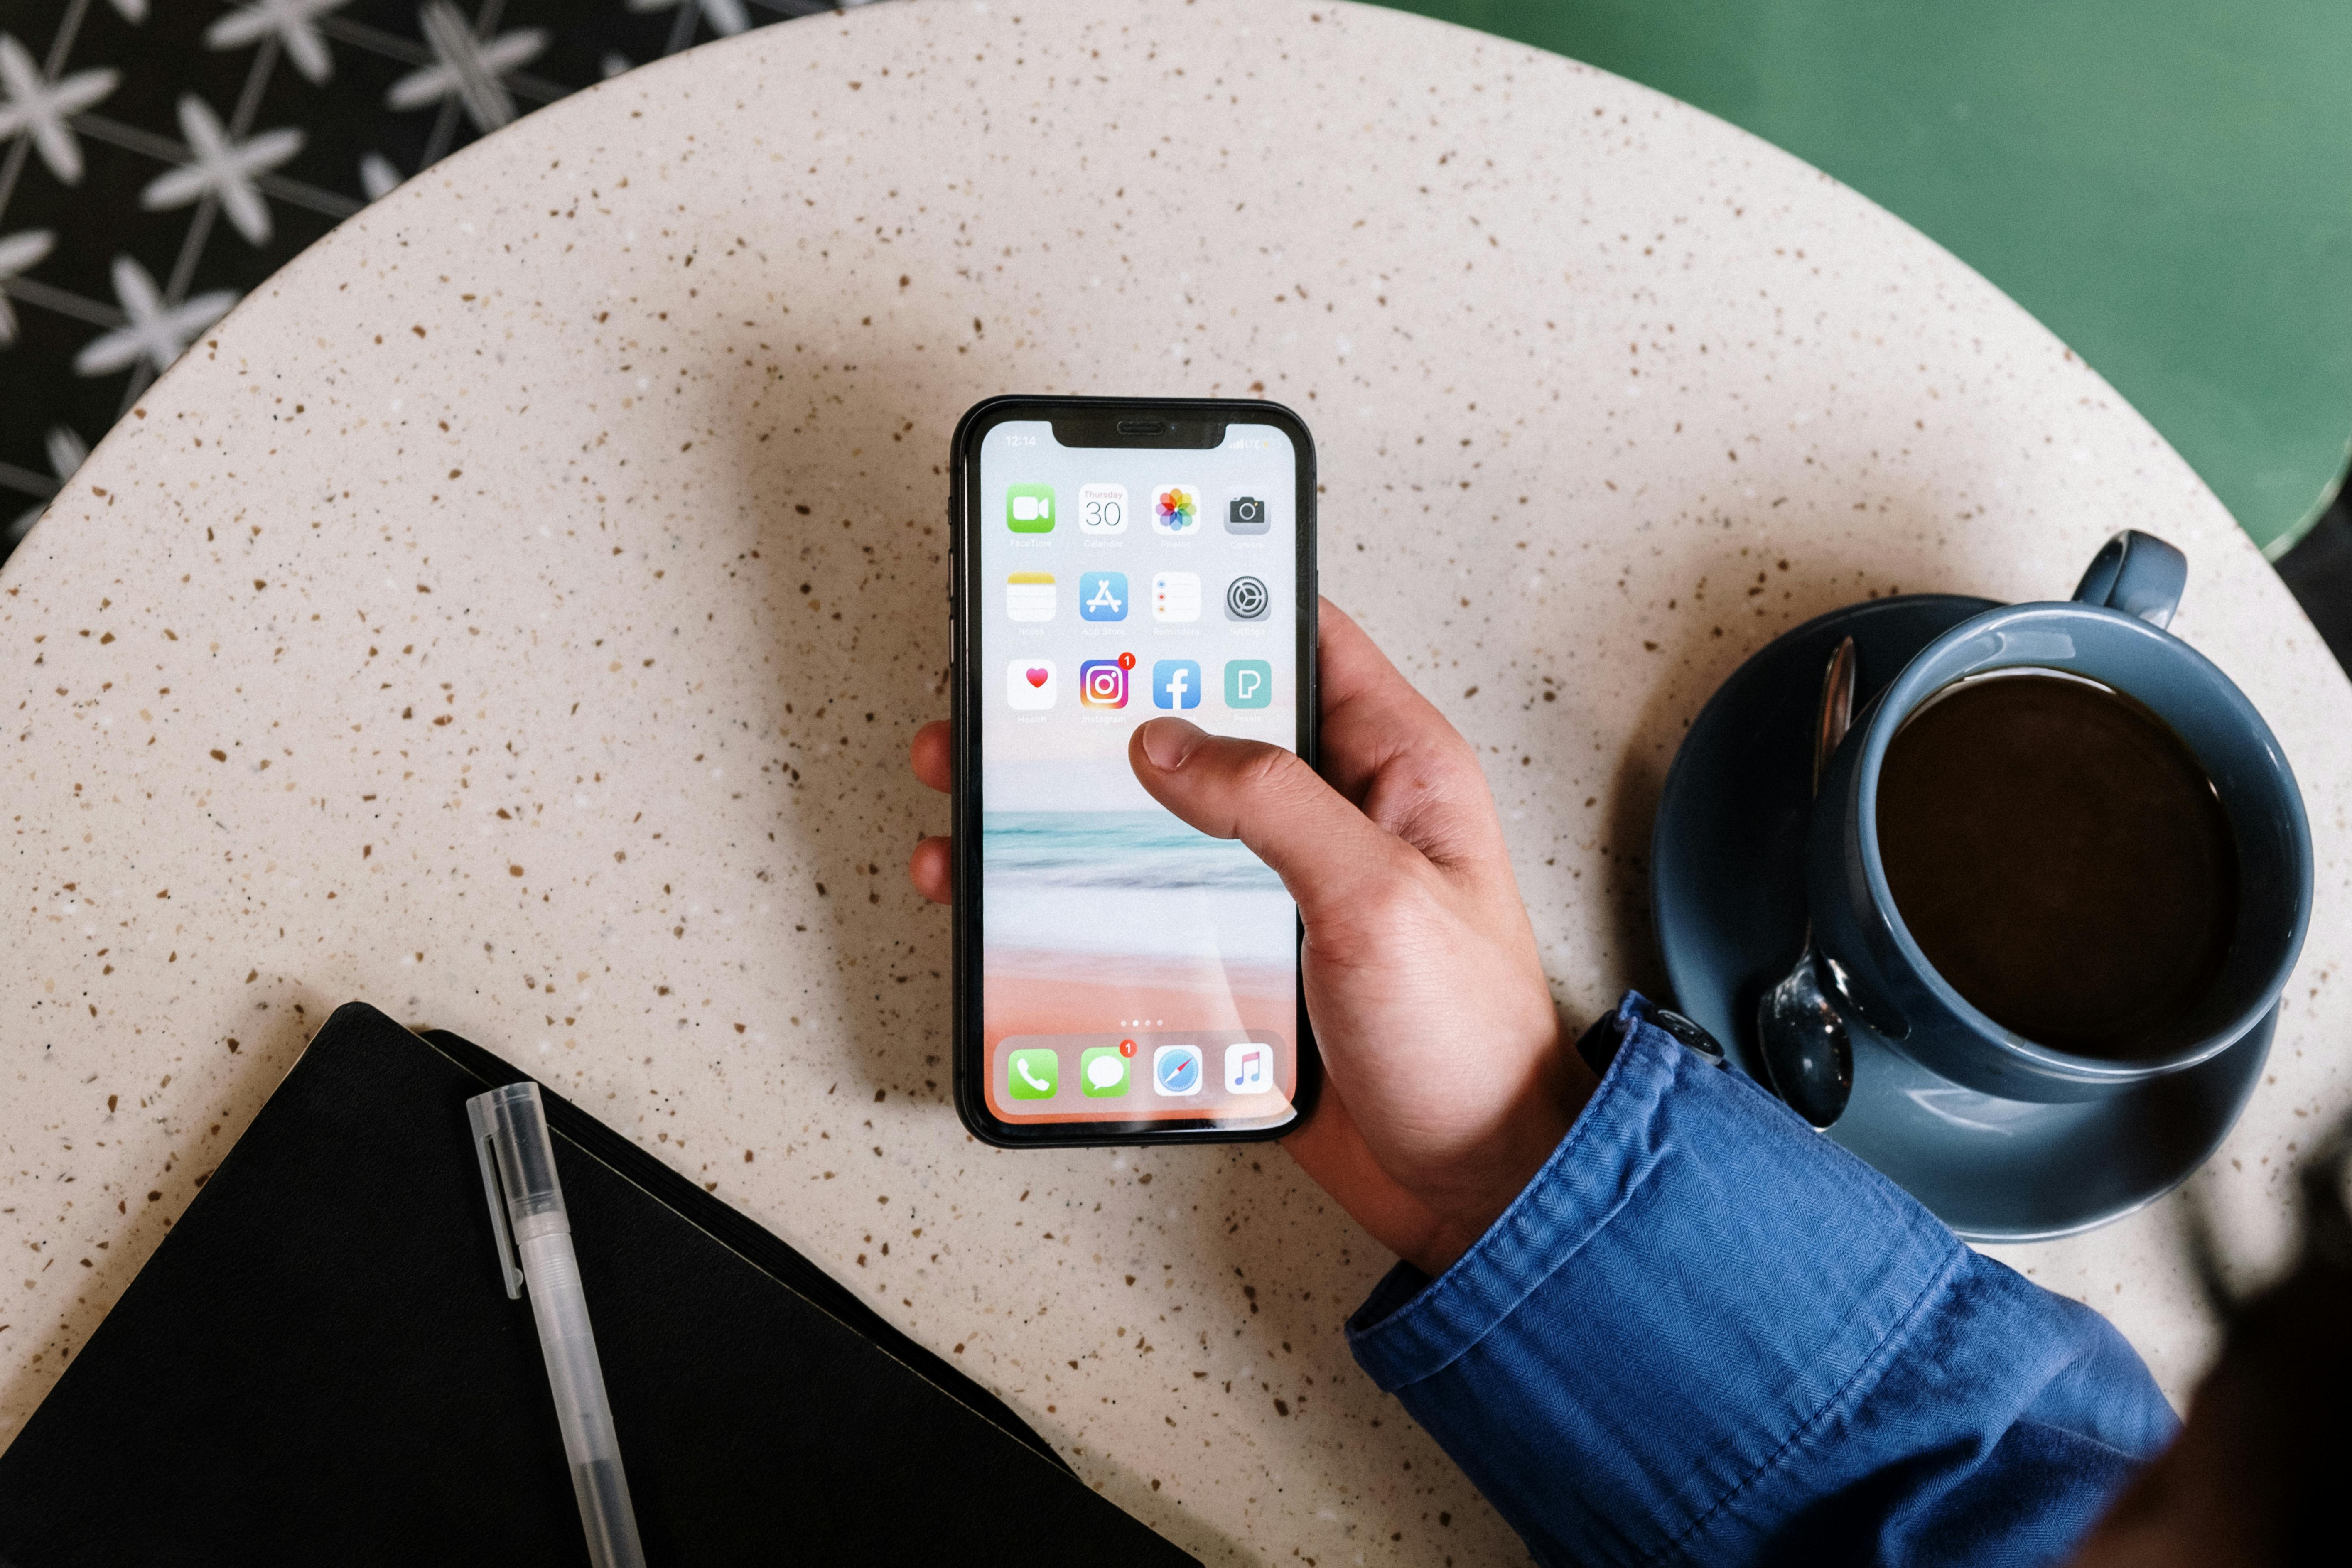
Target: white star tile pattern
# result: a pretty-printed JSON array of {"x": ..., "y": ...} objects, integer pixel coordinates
[{"x": 157, "y": 162}]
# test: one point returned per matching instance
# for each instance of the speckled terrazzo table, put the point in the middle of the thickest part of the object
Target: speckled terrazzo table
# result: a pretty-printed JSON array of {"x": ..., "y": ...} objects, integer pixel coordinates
[{"x": 516, "y": 613}]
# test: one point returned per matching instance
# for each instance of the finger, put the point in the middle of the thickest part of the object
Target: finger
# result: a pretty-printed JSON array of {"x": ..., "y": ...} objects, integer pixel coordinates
[
  {"x": 1323, "y": 848},
  {"x": 931, "y": 868},
  {"x": 1386, "y": 748},
  {"x": 933, "y": 754}
]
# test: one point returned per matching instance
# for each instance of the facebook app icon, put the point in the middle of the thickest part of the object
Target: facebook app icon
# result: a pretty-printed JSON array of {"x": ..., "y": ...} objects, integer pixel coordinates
[
  {"x": 1102, "y": 595},
  {"x": 1175, "y": 683}
]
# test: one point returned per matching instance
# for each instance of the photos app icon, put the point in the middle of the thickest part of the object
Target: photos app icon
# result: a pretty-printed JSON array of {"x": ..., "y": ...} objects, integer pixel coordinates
[{"x": 1176, "y": 509}]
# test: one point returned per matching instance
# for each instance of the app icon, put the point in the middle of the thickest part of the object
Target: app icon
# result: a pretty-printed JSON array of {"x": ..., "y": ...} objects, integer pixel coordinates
[
  {"x": 1029, "y": 596},
  {"x": 1031, "y": 1075},
  {"x": 1102, "y": 683},
  {"x": 1029, "y": 683},
  {"x": 1245, "y": 599},
  {"x": 1176, "y": 508},
  {"x": 1102, "y": 595},
  {"x": 1175, "y": 683},
  {"x": 1102, "y": 509},
  {"x": 1249, "y": 1068},
  {"x": 1029, "y": 509},
  {"x": 1176, "y": 1070},
  {"x": 1246, "y": 514},
  {"x": 1249, "y": 683},
  {"x": 1175, "y": 595},
  {"x": 1102, "y": 1071}
]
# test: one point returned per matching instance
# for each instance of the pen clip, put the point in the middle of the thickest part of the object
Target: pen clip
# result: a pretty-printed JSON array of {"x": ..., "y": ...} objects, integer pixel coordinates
[{"x": 476, "y": 1110}]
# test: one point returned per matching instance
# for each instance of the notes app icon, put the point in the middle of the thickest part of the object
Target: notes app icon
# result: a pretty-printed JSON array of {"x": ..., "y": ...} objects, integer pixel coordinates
[
  {"x": 1029, "y": 596},
  {"x": 1249, "y": 1068}
]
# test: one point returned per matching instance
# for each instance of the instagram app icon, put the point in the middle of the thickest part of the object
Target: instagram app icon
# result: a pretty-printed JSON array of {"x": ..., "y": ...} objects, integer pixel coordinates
[{"x": 1102, "y": 683}]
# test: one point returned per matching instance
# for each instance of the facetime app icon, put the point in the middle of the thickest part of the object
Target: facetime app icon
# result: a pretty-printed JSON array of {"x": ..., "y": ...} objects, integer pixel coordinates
[
  {"x": 1029, "y": 596},
  {"x": 1029, "y": 684},
  {"x": 1029, "y": 509}
]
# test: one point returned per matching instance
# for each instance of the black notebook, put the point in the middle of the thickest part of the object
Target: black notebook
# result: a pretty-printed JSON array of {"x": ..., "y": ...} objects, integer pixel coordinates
[{"x": 321, "y": 1365}]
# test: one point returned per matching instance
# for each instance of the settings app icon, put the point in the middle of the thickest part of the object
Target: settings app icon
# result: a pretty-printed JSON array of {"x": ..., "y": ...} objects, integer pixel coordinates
[{"x": 1246, "y": 599}]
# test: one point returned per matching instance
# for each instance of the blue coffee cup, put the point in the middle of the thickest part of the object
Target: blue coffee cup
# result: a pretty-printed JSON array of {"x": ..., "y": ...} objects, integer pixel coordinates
[{"x": 2112, "y": 632}]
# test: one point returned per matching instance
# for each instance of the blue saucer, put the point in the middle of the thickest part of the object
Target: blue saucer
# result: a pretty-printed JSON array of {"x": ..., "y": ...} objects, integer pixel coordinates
[{"x": 1727, "y": 892}]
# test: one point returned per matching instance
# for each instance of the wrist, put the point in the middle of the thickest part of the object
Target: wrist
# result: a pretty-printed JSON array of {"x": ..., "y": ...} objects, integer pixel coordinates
[{"x": 1505, "y": 1160}]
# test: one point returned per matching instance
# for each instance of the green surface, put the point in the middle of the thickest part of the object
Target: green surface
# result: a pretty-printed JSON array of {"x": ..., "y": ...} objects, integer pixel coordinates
[{"x": 2167, "y": 183}]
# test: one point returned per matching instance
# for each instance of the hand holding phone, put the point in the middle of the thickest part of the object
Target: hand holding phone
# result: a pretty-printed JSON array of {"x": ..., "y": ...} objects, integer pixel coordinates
[{"x": 1449, "y": 1080}]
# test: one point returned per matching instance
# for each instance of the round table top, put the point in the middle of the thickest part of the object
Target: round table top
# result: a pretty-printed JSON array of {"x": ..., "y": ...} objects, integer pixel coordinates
[{"x": 515, "y": 614}]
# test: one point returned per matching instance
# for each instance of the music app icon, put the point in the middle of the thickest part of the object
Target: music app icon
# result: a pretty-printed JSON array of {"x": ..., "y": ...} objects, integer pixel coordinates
[{"x": 1249, "y": 1068}]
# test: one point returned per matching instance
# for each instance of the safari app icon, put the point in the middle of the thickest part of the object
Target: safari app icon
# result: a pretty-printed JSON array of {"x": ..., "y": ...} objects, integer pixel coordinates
[{"x": 1176, "y": 1070}]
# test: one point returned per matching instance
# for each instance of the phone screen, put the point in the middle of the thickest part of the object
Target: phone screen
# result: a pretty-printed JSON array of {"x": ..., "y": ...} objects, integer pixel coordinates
[{"x": 1133, "y": 969}]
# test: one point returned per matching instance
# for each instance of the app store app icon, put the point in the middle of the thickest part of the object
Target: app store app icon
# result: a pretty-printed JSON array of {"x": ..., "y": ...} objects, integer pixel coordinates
[{"x": 1102, "y": 595}]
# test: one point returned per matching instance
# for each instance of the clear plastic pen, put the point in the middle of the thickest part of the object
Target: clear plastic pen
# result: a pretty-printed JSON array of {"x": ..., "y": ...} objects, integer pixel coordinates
[{"x": 528, "y": 1214}]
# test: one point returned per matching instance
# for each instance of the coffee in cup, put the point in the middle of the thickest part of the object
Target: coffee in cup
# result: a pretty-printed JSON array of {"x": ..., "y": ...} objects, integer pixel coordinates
[{"x": 2061, "y": 856}]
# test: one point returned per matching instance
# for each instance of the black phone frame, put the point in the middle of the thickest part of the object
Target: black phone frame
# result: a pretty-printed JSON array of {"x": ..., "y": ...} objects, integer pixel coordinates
[{"x": 1198, "y": 424}]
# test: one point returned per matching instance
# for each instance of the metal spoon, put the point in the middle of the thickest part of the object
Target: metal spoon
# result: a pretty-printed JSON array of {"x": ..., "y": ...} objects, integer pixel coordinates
[{"x": 1806, "y": 1049}]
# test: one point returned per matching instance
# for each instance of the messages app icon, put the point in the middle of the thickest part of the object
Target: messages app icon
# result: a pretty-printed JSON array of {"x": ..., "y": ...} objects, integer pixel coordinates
[
  {"x": 1249, "y": 683},
  {"x": 1031, "y": 1075},
  {"x": 1102, "y": 1071},
  {"x": 1029, "y": 509}
]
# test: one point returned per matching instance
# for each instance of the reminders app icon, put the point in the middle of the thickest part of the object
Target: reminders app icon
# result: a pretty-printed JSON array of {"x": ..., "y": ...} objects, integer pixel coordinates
[
  {"x": 1176, "y": 596},
  {"x": 1176, "y": 1070}
]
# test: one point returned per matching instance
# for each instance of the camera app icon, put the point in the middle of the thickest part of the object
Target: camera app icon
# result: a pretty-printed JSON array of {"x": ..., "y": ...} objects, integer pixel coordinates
[
  {"x": 1246, "y": 599},
  {"x": 1247, "y": 514}
]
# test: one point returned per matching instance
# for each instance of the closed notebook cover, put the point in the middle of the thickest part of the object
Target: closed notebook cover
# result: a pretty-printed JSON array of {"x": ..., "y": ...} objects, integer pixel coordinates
[{"x": 320, "y": 1363}]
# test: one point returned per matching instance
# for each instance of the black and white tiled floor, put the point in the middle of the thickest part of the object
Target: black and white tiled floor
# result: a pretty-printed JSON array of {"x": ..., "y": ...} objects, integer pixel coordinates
[{"x": 159, "y": 158}]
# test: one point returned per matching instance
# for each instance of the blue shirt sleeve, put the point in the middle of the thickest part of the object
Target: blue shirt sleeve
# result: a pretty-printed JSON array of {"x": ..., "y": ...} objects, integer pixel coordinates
[{"x": 1703, "y": 1334}]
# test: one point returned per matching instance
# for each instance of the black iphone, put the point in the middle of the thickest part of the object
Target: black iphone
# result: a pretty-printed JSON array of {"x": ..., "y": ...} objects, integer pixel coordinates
[{"x": 1120, "y": 976}]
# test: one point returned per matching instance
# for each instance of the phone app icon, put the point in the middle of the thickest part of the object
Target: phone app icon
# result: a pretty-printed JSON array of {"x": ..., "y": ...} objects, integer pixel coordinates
[
  {"x": 1175, "y": 683},
  {"x": 1102, "y": 1070},
  {"x": 1249, "y": 683},
  {"x": 1102, "y": 683},
  {"x": 1102, "y": 509},
  {"x": 1029, "y": 509},
  {"x": 1029, "y": 596},
  {"x": 1176, "y": 508},
  {"x": 1029, "y": 684},
  {"x": 1249, "y": 1068},
  {"x": 1247, "y": 514},
  {"x": 1247, "y": 600},
  {"x": 1175, "y": 595},
  {"x": 1176, "y": 1070},
  {"x": 1102, "y": 595},
  {"x": 1032, "y": 1074}
]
